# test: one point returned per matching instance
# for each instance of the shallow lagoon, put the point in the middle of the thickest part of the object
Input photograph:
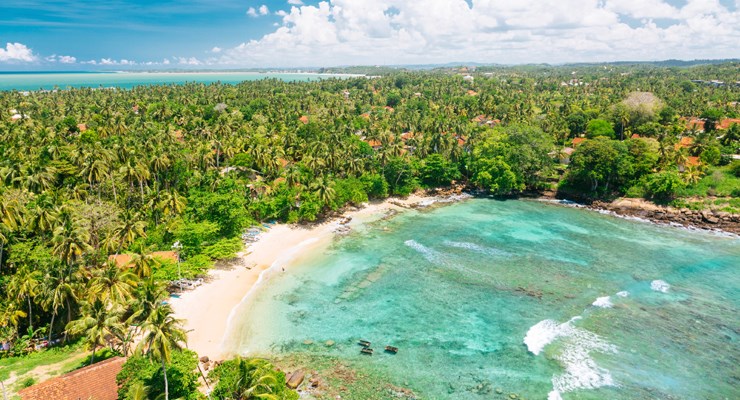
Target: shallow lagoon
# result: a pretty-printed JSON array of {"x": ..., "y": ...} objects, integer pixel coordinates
[{"x": 610, "y": 308}]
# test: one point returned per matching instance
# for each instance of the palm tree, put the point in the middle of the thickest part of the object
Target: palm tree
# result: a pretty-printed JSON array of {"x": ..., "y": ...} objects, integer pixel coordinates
[
  {"x": 24, "y": 285},
  {"x": 57, "y": 291},
  {"x": 162, "y": 334},
  {"x": 97, "y": 322},
  {"x": 113, "y": 284}
]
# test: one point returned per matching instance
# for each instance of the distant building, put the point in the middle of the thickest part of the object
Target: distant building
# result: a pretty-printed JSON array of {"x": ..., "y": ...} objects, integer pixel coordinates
[
  {"x": 94, "y": 382},
  {"x": 578, "y": 141}
]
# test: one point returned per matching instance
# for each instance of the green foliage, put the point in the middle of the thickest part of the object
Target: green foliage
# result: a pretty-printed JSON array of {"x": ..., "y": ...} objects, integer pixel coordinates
[
  {"x": 711, "y": 155},
  {"x": 247, "y": 379},
  {"x": 734, "y": 168},
  {"x": 719, "y": 181},
  {"x": 401, "y": 176},
  {"x": 194, "y": 236},
  {"x": 226, "y": 207},
  {"x": 512, "y": 159},
  {"x": 599, "y": 127},
  {"x": 437, "y": 171},
  {"x": 374, "y": 185},
  {"x": 182, "y": 376},
  {"x": 349, "y": 191},
  {"x": 601, "y": 166},
  {"x": 223, "y": 249},
  {"x": 663, "y": 185}
]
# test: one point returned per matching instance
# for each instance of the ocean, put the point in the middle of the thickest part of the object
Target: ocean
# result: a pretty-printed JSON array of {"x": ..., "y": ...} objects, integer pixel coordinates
[
  {"x": 126, "y": 80},
  {"x": 489, "y": 298}
]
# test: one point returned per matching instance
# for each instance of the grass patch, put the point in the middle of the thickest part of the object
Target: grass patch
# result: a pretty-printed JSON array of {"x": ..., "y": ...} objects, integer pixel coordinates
[
  {"x": 23, "y": 364},
  {"x": 100, "y": 355},
  {"x": 719, "y": 181}
]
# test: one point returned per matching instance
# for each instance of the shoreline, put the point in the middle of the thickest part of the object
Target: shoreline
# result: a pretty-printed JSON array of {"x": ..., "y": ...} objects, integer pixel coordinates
[{"x": 208, "y": 310}]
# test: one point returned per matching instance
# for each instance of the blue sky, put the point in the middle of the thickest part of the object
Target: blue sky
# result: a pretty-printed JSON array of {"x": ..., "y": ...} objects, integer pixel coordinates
[{"x": 118, "y": 34}]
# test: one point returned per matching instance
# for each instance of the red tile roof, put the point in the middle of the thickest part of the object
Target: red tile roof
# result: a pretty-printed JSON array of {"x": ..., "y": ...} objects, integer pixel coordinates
[
  {"x": 82, "y": 127},
  {"x": 578, "y": 141},
  {"x": 692, "y": 161},
  {"x": 373, "y": 143},
  {"x": 686, "y": 141},
  {"x": 94, "y": 382},
  {"x": 472, "y": 93},
  {"x": 694, "y": 123},
  {"x": 727, "y": 122},
  {"x": 123, "y": 260},
  {"x": 303, "y": 119},
  {"x": 635, "y": 136}
]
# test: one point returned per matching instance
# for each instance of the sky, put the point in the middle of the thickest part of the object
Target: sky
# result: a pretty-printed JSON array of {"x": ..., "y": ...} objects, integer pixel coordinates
[{"x": 228, "y": 34}]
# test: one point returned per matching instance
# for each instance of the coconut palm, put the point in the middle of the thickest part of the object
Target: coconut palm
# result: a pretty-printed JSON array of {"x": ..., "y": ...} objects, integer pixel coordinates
[
  {"x": 162, "y": 334},
  {"x": 24, "y": 286},
  {"x": 98, "y": 323}
]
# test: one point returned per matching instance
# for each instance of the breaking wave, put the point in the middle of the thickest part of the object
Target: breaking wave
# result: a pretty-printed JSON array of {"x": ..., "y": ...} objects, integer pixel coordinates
[
  {"x": 603, "y": 302},
  {"x": 477, "y": 248},
  {"x": 660, "y": 286}
]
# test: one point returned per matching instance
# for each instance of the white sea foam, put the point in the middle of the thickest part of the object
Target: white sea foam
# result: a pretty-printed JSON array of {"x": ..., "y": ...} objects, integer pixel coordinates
[
  {"x": 623, "y": 293},
  {"x": 581, "y": 371},
  {"x": 603, "y": 302},
  {"x": 429, "y": 254},
  {"x": 660, "y": 286},
  {"x": 476, "y": 248}
]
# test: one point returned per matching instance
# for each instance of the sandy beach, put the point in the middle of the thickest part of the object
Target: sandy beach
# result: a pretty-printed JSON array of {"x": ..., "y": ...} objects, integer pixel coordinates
[{"x": 207, "y": 309}]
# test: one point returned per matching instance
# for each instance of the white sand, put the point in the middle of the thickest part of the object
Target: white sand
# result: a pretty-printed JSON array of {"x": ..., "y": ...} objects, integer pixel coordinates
[{"x": 206, "y": 309}]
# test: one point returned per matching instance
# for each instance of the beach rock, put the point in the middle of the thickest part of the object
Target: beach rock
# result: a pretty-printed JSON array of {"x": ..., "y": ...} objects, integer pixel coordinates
[
  {"x": 499, "y": 390},
  {"x": 308, "y": 342},
  {"x": 296, "y": 379},
  {"x": 329, "y": 343},
  {"x": 204, "y": 359}
]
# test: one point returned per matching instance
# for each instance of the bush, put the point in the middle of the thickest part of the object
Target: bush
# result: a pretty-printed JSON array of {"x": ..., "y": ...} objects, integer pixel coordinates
[
  {"x": 663, "y": 185},
  {"x": 182, "y": 376},
  {"x": 255, "y": 375},
  {"x": 224, "y": 249},
  {"x": 735, "y": 168}
]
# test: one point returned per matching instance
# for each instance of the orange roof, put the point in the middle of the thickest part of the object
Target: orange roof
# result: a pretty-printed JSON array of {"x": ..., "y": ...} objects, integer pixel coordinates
[
  {"x": 635, "y": 136},
  {"x": 694, "y": 123},
  {"x": 82, "y": 127},
  {"x": 461, "y": 141},
  {"x": 303, "y": 119},
  {"x": 283, "y": 162},
  {"x": 686, "y": 141},
  {"x": 97, "y": 381},
  {"x": 407, "y": 135},
  {"x": 365, "y": 115},
  {"x": 692, "y": 161},
  {"x": 472, "y": 93},
  {"x": 123, "y": 260},
  {"x": 373, "y": 143},
  {"x": 479, "y": 119},
  {"x": 389, "y": 108},
  {"x": 727, "y": 122},
  {"x": 578, "y": 141}
]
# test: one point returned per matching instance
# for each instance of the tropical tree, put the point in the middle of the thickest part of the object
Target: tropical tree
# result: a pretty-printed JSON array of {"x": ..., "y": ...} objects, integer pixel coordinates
[{"x": 162, "y": 334}]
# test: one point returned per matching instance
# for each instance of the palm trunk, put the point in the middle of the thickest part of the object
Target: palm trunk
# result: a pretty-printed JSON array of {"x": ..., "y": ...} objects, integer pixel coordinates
[
  {"x": 166, "y": 387},
  {"x": 92, "y": 358},
  {"x": 30, "y": 316},
  {"x": 51, "y": 325},
  {"x": 69, "y": 319}
]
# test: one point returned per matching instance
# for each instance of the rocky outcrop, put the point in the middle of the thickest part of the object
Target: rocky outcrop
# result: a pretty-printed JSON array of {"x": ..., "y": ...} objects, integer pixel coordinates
[{"x": 705, "y": 219}]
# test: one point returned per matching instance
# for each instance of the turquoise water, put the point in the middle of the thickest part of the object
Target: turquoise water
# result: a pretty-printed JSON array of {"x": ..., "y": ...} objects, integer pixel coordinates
[
  {"x": 460, "y": 289},
  {"x": 128, "y": 80}
]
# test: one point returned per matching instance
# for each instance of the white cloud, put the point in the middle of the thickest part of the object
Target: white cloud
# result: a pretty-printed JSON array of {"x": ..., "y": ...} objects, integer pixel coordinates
[
  {"x": 14, "y": 52},
  {"x": 337, "y": 32},
  {"x": 188, "y": 61},
  {"x": 61, "y": 59},
  {"x": 295, "y": 2},
  {"x": 281, "y": 13},
  {"x": 256, "y": 12},
  {"x": 166, "y": 62},
  {"x": 67, "y": 59},
  {"x": 216, "y": 49},
  {"x": 110, "y": 61}
]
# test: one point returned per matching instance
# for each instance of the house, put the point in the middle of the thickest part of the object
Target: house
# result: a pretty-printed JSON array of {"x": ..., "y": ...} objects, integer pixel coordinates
[
  {"x": 124, "y": 260},
  {"x": 407, "y": 135},
  {"x": 635, "y": 136},
  {"x": 684, "y": 142},
  {"x": 375, "y": 144},
  {"x": 345, "y": 94},
  {"x": 578, "y": 141},
  {"x": 389, "y": 108},
  {"x": 82, "y": 127},
  {"x": 694, "y": 124},
  {"x": 94, "y": 382},
  {"x": 472, "y": 92},
  {"x": 486, "y": 120},
  {"x": 303, "y": 119},
  {"x": 468, "y": 78},
  {"x": 727, "y": 123}
]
